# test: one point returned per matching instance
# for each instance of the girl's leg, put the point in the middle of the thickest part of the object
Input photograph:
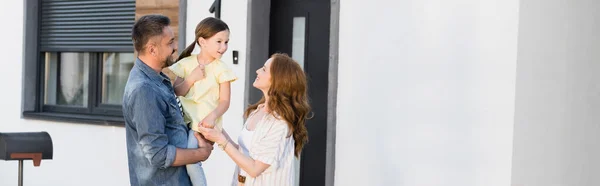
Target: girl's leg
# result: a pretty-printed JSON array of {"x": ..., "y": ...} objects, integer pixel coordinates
[{"x": 195, "y": 171}]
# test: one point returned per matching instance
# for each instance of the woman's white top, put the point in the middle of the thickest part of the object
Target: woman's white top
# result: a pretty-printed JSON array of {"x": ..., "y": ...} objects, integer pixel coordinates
[
  {"x": 245, "y": 142},
  {"x": 268, "y": 143}
]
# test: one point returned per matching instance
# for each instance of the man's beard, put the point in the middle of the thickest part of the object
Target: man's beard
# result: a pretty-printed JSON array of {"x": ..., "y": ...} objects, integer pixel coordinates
[{"x": 169, "y": 61}]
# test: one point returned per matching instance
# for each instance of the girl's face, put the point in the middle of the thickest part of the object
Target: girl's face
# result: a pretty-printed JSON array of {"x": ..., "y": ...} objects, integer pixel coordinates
[
  {"x": 263, "y": 77},
  {"x": 216, "y": 45}
]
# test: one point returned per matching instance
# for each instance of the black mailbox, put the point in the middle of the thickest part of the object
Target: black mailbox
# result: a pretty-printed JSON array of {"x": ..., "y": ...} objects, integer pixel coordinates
[{"x": 25, "y": 146}]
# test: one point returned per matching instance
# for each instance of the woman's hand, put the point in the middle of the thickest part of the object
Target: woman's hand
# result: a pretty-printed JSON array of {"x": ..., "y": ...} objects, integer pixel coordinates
[{"x": 212, "y": 135}]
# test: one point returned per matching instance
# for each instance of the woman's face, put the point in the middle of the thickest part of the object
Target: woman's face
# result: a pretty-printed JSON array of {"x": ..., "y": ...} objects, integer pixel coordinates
[{"x": 263, "y": 77}]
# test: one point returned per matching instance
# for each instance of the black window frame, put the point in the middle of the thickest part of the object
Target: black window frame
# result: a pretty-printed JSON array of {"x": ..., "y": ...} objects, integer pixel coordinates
[
  {"x": 94, "y": 101},
  {"x": 33, "y": 89}
]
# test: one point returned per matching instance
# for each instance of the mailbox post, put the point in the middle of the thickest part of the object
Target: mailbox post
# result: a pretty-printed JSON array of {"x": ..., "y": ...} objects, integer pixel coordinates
[{"x": 25, "y": 146}]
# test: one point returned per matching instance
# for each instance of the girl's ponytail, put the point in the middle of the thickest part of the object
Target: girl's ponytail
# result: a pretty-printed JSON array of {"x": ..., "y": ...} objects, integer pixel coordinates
[{"x": 187, "y": 51}]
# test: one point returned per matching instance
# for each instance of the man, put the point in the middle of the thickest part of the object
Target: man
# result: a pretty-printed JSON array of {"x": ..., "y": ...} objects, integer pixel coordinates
[{"x": 156, "y": 132}]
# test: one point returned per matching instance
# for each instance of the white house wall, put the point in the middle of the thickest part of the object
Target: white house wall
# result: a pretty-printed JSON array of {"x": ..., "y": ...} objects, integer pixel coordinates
[
  {"x": 426, "y": 92},
  {"x": 557, "y": 141}
]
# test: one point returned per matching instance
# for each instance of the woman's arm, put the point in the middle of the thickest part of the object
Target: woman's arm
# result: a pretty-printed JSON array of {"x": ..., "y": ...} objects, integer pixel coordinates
[
  {"x": 249, "y": 165},
  {"x": 253, "y": 167},
  {"x": 236, "y": 146}
]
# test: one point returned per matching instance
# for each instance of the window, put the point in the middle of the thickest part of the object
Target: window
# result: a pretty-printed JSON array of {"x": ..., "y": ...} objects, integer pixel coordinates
[
  {"x": 85, "y": 82},
  {"x": 83, "y": 55},
  {"x": 78, "y": 55}
]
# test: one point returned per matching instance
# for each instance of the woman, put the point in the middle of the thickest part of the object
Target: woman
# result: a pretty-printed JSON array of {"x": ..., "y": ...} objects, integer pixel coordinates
[{"x": 274, "y": 131}]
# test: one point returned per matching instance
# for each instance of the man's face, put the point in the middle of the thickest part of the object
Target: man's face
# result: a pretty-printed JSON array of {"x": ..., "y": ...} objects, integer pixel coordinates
[{"x": 167, "y": 47}]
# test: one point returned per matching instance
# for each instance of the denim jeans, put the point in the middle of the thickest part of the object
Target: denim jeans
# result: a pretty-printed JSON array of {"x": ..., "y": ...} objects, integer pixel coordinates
[{"x": 195, "y": 171}]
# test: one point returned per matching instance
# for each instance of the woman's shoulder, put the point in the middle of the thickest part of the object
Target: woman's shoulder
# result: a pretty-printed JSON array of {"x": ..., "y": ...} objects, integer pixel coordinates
[
  {"x": 276, "y": 121},
  {"x": 271, "y": 125},
  {"x": 271, "y": 119}
]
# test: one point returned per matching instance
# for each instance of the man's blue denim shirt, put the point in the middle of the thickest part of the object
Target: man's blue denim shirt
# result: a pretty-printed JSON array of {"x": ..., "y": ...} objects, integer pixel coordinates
[{"x": 154, "y": 128}]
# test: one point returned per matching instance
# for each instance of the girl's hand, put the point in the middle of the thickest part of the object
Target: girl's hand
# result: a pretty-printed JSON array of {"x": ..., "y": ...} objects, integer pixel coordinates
[
  {"x": 208, "y": 121},
  {"x": 212, "y": 135},
  {"x": 197, "y": 74}
]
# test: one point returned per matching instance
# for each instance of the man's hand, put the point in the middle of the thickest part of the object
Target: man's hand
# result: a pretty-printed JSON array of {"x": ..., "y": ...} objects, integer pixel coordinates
[
  {"x": 191, "y": 156},
  {"x": 203, "y": 143}
]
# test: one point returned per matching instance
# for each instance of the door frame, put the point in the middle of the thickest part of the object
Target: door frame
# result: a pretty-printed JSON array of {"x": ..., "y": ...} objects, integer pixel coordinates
[{"x": 257, "y": 45}]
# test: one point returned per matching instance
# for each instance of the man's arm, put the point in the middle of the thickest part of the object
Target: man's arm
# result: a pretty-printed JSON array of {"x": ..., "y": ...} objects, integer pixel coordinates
[
  {"x": 147, "y": 110},
  {"x": 190, "y": 156}
]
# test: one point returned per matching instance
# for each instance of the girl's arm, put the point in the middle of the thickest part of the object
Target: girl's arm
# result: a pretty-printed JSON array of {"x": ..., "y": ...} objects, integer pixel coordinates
[
  {"x": 182, "y": 86},
  {"x": 224, "y": 96}
]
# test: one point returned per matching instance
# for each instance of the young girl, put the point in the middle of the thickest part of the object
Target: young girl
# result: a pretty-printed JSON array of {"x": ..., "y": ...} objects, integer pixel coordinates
[
  {"x": 203, "y": 84},
  {"x": 274, "y": 132}
]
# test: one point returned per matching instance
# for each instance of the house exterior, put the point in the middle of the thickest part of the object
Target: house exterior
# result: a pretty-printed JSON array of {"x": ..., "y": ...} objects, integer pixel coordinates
[{"x": 412, "y": 92}]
